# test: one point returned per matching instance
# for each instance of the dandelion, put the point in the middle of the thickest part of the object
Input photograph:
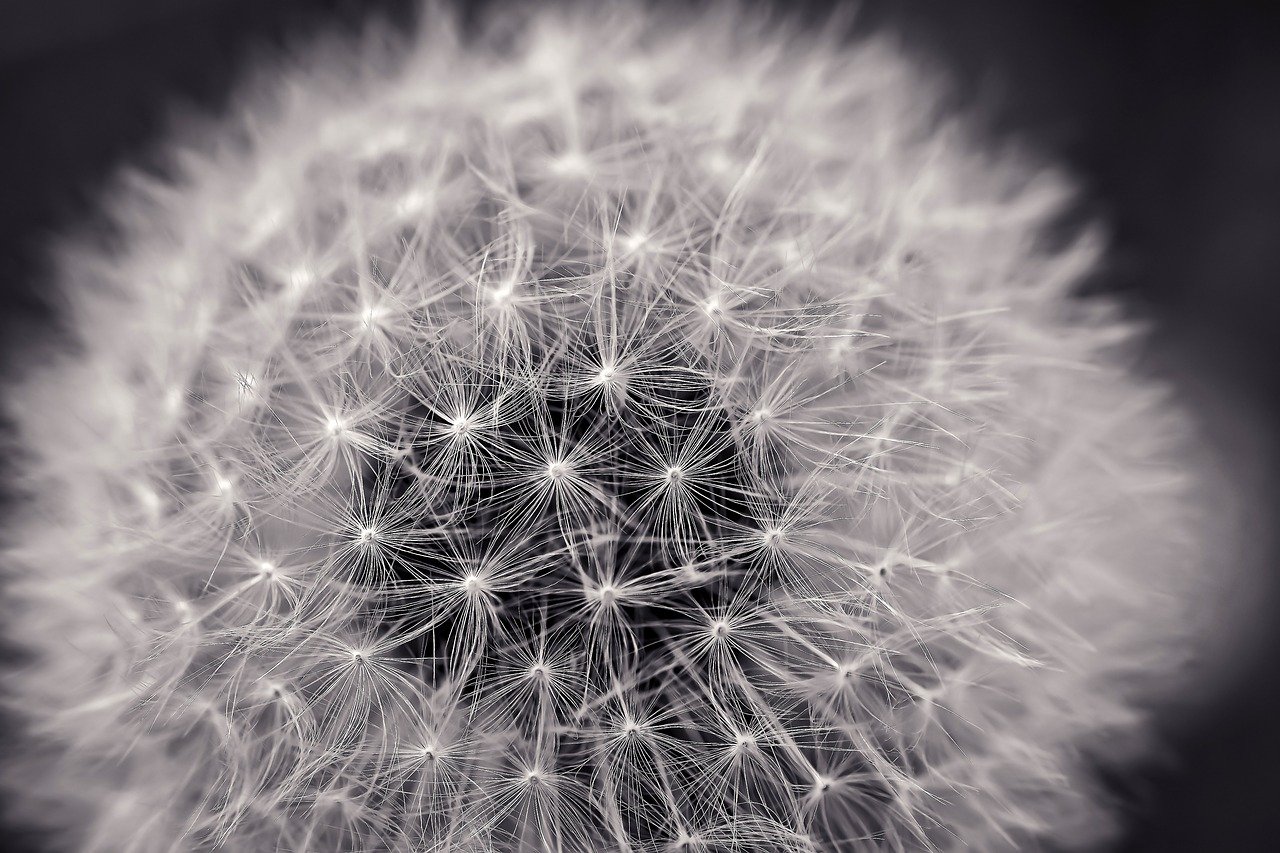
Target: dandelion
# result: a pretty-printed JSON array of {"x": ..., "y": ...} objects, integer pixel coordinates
[{"x": 631, "y": 441}]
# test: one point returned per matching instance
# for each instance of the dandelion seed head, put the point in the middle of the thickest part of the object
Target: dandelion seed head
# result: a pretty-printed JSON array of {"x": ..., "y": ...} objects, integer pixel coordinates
[{"x": 570, "y": 438}]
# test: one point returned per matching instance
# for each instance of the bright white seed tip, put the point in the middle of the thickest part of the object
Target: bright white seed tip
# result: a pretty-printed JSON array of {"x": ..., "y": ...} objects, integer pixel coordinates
[
  {"x": 718, "y": 162},
  {"x": 773, "y": 536},
  {"x": 460, "y": 426},
  {"x": 300, "y": 278},
  {"x": 632, "y": 243},
  {"x": 246, "y": 386},
  {"x": 571, "y": 164},
  {"x": 411, "y": 203},
  {"x": 173, "y": 401}
]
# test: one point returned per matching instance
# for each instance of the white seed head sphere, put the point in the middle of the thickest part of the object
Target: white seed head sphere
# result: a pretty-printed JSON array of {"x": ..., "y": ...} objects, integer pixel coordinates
[{"x": 597, "y": 434}]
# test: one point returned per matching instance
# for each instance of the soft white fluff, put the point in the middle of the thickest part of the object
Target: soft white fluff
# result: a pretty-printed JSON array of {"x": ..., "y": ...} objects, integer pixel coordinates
[{"x": 612, "y": 433}]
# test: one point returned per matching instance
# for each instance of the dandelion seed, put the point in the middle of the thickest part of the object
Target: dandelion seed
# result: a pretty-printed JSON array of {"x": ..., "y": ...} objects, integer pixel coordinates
[
  {"x": 718, "y": 162},
  {"x": 246, "y": 385},
  {"x": 371, "y": 316},
  {"x": 223, "y": 486},
  {"x": 411, "y": 203},
  {"x": 461, "y": 427},
  {"x": 500, "y": 296},
  {"x": 571, "y": 164},
  {"x": 300, "y": 278},
  {"x": 265, "y": 226},
  {"x": 773, "y": 537},
  {"x": 174, "y": 399},
  {"x": 607, "y": 594},
  {"x": 633, "y": 243}
]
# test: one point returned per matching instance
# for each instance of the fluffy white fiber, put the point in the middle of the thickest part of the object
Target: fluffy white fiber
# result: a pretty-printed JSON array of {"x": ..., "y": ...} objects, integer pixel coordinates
[{"x": 616, "y": 432}]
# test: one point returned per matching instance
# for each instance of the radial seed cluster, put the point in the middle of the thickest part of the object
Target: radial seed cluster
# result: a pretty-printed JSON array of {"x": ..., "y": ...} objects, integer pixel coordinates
[{"x": 598, "y": 434}]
